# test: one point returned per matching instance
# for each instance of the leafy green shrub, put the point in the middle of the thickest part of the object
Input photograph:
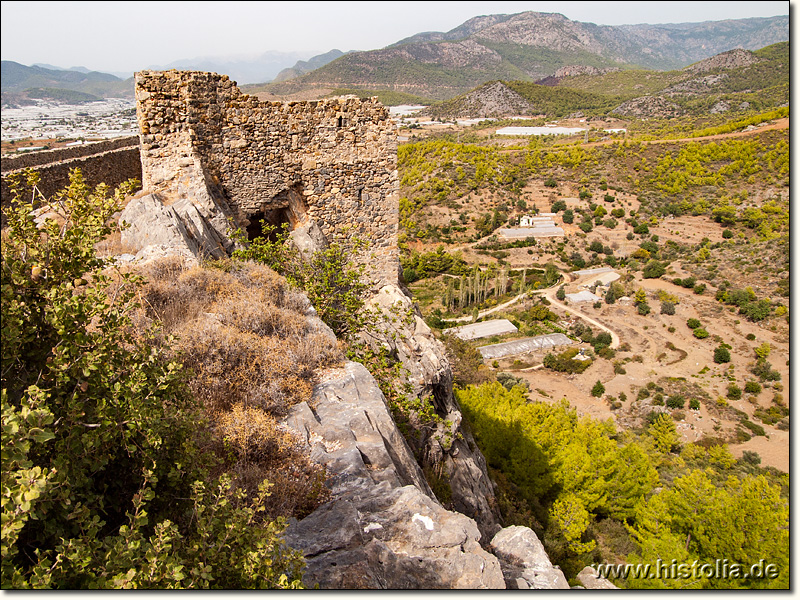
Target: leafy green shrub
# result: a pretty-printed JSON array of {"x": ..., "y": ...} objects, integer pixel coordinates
[
  {"x": 667, "y": 308},
  {"x": 692, "y": 323},
  {"x": 756, "y": 429},
  {"x": 752, "y": 387},
  {"x": 643, "y": 308},
  {"x": 756, "y": 311},
  {"x": 104, "y": 451},
  {"x": 694, "y": 404},
  {"x": 654, "y": 269},
  {"x": 727, "y": 234},
  {"x": 334, "y": 286},
  {"x": 598, "y": 389},
  {"x": 676, "y": 401},
  {"x": 721, "y": 355},
  {"x": 699, "y": 289},
  {"x": 700, "y": 333},
  {"x": 734, "y": 391},
  {"x": 764, "y": 371}
]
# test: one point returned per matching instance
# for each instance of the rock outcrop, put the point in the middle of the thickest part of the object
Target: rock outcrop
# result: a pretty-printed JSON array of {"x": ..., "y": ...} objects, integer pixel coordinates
[
  {"x": 448, "y": 449},
  {"x": 589, "y": 579},
  {"x": 648, "y": 106},
  {"x": 524, "y": 561},
  {"x": 732, "y": 59},
  {"x": 383, "y": 529}
]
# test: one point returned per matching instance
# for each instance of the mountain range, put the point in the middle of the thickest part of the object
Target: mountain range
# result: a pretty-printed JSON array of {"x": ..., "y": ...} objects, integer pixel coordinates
[
  {"x": 436, "y": 66},
  {"x": 530, "y": 46}
]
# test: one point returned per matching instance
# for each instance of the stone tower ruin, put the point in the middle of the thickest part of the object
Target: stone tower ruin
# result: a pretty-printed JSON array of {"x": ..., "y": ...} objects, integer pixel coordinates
[{"x": 221, "y": 160}]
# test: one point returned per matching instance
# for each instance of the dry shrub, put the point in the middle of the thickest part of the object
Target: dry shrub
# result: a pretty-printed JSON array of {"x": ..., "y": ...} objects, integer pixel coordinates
[
  {"x": 233, "y": 366},
  {"x": 245, "y": 337},
  {"x": 261, "y": 449}
]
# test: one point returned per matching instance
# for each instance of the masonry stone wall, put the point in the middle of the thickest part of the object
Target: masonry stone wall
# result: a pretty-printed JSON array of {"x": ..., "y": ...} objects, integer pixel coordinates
[
  {"x": 110, "y": 162},
  {"x": 331, "y": 162},
  {"x": 45, "y": 157}
]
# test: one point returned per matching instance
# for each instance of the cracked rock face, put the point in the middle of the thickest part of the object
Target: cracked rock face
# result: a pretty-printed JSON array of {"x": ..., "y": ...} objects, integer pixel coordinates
[
  {"x": 450, "y": 449},
  {"x": 524, "y": 561},
  {"x": 383, "y": 529}
]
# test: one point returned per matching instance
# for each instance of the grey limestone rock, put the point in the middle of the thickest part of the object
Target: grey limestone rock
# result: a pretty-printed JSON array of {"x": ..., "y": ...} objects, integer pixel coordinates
[
  {"x": 450, "y": 448},
  {"x": 383, "y": 529},
  {"x": 524, "y": 561},
  {"x": 592, "y": 581}
]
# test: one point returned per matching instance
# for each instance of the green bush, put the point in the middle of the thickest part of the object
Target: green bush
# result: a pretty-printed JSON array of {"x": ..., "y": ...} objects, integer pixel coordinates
[
  {"x": 676, "y": 401},
  {"x": 106, "y": 481},
  {"x": 721, "y": 355},
  {"x": 694, "y": 404},
  {"x": 752, "y": 387},
  {"x": 667, "y": 308},
  {"x": 598, "y": 389},
  {"x": 734, "y": 391},
  {"x": 700, "y": 333},
  {"x": 334, "y": 286},
  {"x": 692, "y": 323},
  {"x": 756, "y": 429},
  {"x": 654, "y": 269}
]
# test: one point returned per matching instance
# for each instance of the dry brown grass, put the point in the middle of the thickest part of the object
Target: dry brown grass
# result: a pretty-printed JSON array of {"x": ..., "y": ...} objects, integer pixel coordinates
[{"x": 252, "y": 351}]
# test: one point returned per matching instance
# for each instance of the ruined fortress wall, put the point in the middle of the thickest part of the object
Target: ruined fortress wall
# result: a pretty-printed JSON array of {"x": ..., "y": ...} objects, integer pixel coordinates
[
  {"x": 332, "y": 162},
  {"x": 46, "y": 157},
  {"x": 100, "y": 163}
]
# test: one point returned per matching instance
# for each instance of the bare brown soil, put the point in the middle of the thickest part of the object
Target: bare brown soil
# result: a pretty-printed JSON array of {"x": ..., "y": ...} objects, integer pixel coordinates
[{"x": 690, "y": 363}]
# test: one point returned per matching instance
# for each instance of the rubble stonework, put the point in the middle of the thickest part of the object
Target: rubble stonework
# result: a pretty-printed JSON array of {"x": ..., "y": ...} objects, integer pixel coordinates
[{"x": 330, "y": 163}]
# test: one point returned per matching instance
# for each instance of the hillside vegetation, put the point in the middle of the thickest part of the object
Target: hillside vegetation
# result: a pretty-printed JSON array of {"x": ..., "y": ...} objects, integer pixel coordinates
[
  {"x": 757, "y": 81},
  {"x": 695, "y": 227},
  {"x": 133, "y": 458}
]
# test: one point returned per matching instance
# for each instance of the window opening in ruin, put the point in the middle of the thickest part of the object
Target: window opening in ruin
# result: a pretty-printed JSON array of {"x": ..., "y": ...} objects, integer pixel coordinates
[{"x": 340, "y": 122}]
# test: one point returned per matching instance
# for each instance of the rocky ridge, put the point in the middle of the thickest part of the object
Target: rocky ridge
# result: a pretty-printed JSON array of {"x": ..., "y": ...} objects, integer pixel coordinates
[
  {"x": 384, "y": 527},
  {"x": 531, "y": 46}
]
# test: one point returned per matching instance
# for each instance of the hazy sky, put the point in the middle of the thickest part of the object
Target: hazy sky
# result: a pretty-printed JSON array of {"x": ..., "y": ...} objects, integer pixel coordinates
[{"x": 127, "y": 36}]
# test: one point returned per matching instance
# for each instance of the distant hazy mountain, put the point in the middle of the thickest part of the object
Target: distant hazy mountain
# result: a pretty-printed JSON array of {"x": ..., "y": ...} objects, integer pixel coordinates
[
  {"x": 19, "y": 83},
  {"x": 259, "y": 69},
  {"x": 530, "y": 46},
  {"x": 306, "y": 66}
]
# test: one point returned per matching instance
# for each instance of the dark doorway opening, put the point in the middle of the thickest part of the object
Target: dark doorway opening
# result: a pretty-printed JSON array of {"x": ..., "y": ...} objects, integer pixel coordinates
[{"x": 276, "y": 218}]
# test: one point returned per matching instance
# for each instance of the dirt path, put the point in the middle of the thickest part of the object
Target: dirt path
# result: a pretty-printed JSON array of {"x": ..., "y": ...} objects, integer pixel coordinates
[{"x": 588, "y": 319}]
